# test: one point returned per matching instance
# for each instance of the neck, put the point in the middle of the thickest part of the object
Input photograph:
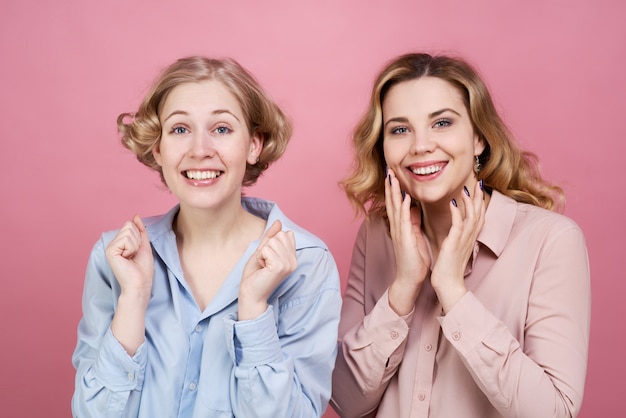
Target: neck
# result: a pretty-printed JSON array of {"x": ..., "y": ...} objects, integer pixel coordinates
[
  {"x": 212, "y": 227},
  {"x": 436, "y": 222}
]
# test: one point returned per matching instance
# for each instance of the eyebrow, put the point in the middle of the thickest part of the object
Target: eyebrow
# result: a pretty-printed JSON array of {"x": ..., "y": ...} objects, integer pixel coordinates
[
  {"x": 432, "y": 115},
  {"x": 215, "y": 112}
]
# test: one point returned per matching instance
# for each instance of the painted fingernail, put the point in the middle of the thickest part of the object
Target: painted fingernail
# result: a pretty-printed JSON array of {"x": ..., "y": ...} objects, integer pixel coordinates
[
  {"x": 481, "y": 184},
  {"x": 389, "y": 175},
  {"x": 454, "y": 202},
  {"x": 403, "y": 194},
  {"x": 466, "y": 191}
]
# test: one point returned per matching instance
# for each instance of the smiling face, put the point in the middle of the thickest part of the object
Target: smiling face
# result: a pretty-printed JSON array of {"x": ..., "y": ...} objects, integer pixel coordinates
[
  {"x": 428, "y": 139},
  {"x": 205, "y": 145}
]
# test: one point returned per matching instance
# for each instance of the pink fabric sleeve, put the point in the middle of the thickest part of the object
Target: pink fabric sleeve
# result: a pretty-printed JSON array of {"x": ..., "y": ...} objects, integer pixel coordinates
[
  {"x": 371, "y": 344},
  {"x": 544, "y": 375}
]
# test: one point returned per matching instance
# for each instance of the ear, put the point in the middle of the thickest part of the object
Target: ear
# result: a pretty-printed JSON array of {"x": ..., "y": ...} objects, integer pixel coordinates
[
  {"x": 479, "y": 145},
  {"x": 156, "y": 153},
  {"x": 256, "y": 146}
]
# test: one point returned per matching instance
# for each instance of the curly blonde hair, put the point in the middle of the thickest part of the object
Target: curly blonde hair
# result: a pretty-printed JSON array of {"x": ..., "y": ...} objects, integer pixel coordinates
[
  {"x": 504, "y": 167},
  {"x": 141, "y": 131}
]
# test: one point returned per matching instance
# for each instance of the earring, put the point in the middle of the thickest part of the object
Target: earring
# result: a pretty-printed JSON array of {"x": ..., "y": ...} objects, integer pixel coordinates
[{"x": 477, "y": 165}]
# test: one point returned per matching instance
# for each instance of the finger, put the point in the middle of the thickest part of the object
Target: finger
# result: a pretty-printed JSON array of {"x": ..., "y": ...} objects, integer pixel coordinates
[
  {"x": 457, "y": 221},
  {"x": 479, "y": 204},
  {"x": 143, "y": 232},
  {"x": 126, "y": 242},
  {"x": 405, "y": 212},
  {"x": 286, "y": 239},
  {"x": 396, "y": 192},
  {"x": 283, "y": 244},
  {"x": 468, "y": 206},
  {"x": 274, "y": 229},
  {"x": 393, "y": 199},
  {"x": 279, "y": 255}
]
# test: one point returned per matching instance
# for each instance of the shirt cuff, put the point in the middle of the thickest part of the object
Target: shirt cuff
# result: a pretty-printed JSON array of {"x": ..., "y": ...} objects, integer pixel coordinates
[
  {"x": 115, "y": 369},
  {"x": 386, "y": 328},
  {"x": 254, "y": 342}
]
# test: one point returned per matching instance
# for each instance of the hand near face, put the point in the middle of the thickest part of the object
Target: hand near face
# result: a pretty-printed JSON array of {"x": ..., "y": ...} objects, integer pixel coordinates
[
  {"x": 410, "y": 247},
  {"x": 447, "y": 276},
  {"x": 274, "y": 259},
  {"x": 130, "y": 257}
]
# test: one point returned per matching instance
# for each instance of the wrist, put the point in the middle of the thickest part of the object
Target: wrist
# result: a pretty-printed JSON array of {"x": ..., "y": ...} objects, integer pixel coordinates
[
  {"x": 249, "y": 309},
  {"x": 402, "y": 296},
  {"x": 449, "y": 295},
  {"x": 135, "y": 299}
]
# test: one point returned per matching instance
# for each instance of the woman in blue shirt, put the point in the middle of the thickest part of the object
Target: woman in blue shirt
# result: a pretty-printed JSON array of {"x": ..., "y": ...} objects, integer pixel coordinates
[{"x": 223, "y": 306}]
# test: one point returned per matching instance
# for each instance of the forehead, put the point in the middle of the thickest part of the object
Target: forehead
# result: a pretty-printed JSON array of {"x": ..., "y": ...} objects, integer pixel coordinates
[
  {"x": 201, "y": 97},
  {"x": 425, "y": 94}
]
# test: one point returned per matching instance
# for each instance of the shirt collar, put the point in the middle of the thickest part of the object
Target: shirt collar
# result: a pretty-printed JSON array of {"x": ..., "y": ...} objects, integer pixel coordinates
[{"x": 499, "y": 220}]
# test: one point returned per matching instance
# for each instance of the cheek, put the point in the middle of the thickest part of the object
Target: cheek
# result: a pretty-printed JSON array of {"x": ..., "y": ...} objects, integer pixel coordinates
[{"x": 393, "y": 152}]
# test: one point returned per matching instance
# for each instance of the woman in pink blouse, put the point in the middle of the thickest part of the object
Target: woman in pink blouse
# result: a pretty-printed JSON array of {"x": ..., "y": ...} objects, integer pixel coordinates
[{"x": 467, "y": 296}]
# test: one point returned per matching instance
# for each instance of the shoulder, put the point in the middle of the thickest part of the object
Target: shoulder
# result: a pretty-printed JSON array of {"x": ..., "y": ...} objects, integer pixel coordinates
[
  {"x": 543, "y": 220},
  {"x": 373, "y": 235},
  {"x": 509, "y": 221}
]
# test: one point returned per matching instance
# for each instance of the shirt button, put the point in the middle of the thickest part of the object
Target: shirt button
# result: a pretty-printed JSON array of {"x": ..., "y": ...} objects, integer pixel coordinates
[
  {"x": 456, "y": 336},
  {"x": 394, "y": 335},
  {"x": 421, "y": 396},
  {"x": 192, "y": 386},
  {"x": 131, "y": 376},
  {"x": 428, "y": 347},
  {"x": 198, "y": 328}
]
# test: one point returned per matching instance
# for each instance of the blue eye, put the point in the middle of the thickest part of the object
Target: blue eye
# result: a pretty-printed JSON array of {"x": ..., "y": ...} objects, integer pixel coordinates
[
  {"x": 399, "y": 130},
  {"x": 442, "y": 123},
  {"x": 223, "y": 130},
  {"x": 179, "y": 130}
]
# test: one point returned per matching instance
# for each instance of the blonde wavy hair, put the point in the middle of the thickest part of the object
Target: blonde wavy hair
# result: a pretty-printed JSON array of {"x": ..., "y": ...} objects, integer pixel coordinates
[
  {"x": 504, "y": 167},
  {"x": 141, "y": 131}
]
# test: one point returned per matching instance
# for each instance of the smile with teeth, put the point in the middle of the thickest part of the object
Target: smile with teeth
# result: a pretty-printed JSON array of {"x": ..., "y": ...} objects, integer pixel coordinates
[
  {"x": 424, "y": 171},
  {"x": 202, "y": 175}
]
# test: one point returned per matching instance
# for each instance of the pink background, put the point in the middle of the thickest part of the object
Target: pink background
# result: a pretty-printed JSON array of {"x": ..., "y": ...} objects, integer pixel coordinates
[{"x": 556, "y": 69}]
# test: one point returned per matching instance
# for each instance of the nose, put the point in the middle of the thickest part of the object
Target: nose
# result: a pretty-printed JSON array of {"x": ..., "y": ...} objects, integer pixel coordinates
[
  {"x": 201, "y": 145},
  {"x": 422, "y": 143}
]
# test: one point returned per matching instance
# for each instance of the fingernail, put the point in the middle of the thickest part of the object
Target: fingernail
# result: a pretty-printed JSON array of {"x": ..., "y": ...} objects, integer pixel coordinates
[
  {"x": 403, "y": 194},
  {"x": 454, "y": 202},
  {"x": 480, "y": 183},
  {"x": 466, "y": 191}
]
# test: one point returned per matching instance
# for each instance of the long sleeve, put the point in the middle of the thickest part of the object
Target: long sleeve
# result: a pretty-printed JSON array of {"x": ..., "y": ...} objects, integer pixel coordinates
[
  {"x": 543, "y": 375},
  {"x": 283, "y": 359},
  {"x": 371, "y": 344},
  {"x": 108, "y": 380}
]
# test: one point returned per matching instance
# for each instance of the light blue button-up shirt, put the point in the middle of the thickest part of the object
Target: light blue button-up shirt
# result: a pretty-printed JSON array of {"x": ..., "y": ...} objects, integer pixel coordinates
[{"x": 209, "y": 364}]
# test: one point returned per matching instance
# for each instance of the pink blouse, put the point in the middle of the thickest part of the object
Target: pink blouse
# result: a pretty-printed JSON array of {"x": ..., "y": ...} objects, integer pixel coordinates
[{"x": 515, "y": 345}]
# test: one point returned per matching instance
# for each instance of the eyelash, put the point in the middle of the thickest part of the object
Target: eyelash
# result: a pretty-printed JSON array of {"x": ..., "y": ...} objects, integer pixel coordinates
[
  {"x": 441, "y": 123},
  {"x": 396, "y": 130},
  {"x": 446, "y": 122},
  {"x": 175, "y": 130},
  {"x": 228, "y": 130},
  {"x": 180, "y": 130}
]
